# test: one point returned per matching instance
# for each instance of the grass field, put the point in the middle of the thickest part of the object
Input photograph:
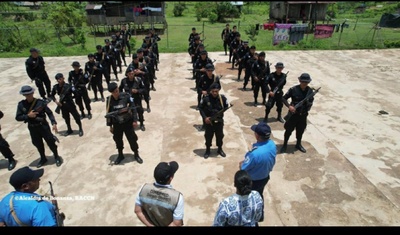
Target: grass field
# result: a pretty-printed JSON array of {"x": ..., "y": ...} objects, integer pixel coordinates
[{"x": 359, "y": 35}]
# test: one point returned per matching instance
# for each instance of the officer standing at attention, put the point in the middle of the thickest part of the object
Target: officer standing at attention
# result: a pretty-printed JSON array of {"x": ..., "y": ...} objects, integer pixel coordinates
[
  {"x": 298, "y": 120},
  {"x": 225, "y": 38},
  {"x": 66, "y": 103},
  {"x": 134, "y": 85},
  {"x": 260, "y": 70},
  {"x": 78, "y": 81},
  {"x": 5, "y": 149},
  {"x": 273, "y": 80},
  {"x": 210, "y": 105},
  {"x": 242, "y": 51},
  {"x": 102, "y": 59},
  {"x": 33, "y": 111},
  {"x": 24, "y": 207},
  {"x": 94, "y": 73},
  {"x": 35, "y": 69},
  {"x": 123, "y": 122}
]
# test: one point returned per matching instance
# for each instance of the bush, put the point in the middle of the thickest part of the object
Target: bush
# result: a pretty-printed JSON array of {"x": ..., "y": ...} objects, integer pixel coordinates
[
  {"x": 178, "y": 9},
  {"x": 212, "y": 17}
]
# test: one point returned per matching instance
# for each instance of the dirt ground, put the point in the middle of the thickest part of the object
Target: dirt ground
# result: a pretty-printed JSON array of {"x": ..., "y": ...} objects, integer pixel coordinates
[{"x": 348, "y": 177}]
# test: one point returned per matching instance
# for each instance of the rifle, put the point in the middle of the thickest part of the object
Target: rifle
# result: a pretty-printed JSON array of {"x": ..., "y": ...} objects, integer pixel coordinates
[
  {"x": 91, "y": 75},
  {"x": 280, "y": 84},
  {"x": 118, "y": 112},
  {"x": 289, "y": 114},
  {"x": 216, "y": 115},
  {"x": 60, "y": 217},
  {"x": 62, "y": 97}
]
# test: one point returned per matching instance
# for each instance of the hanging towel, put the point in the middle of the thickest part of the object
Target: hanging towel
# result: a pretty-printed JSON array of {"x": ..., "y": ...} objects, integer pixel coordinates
[{"x": 281, "y": 33}]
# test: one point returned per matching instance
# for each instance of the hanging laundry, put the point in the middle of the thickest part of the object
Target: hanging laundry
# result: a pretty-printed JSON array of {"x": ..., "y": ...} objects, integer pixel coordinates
[
  {"x": 269, "y": 26},
  {"x": 323, "y": 30},
  {"x": 296, "y": 32},
  {"x": 281, "y": 33}
]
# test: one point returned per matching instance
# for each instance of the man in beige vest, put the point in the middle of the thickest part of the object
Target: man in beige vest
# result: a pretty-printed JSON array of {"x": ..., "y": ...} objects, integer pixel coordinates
[{"x": 158, "y": 204}]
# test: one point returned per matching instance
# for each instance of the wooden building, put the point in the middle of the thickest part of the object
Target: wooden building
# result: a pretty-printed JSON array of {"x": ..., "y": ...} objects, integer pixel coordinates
[
  {"x": 298, "y": 11},
  {"x": 141, "y": 15}
]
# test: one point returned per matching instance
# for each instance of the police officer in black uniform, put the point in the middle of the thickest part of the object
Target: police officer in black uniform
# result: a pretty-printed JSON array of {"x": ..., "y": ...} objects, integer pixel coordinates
[
  {"x": 199, "y": 68},
  {"x": 225, "y": 37},
  {"x": 117, "y": 51},
  {"x": 232, "y": 36},
  {"x": 273, "y": 80},
  {"x": 33, "y": 111},
  {"x": 126, "y": 35},
  {"x": 248, "y": 61},
  {"x": 193, "y": 48},
  {"x": 110, "y": 53},
  {"x": 133, "y": 85},
  {"x": 241, "y": 53},
  {"x": 209, "y": 106},
  {"x": 35, "y": 69},
  {"x": 140, "y": 69},
  {"x": 5, "y": 149},
  {"x": 94, "y": 73},
  {"x": 124, "y": 122},
  {"x": 78, "y": 81},
  {"x": 121, "y": 46},
  {"x": 298, "y": 120},
  {"x": 102, "y": 59},
  {"x": 235, "y": 44},
  {"x": 205, "y": 82},
  {"x": 66, "y": 103},
  {"x": 260, "y": 70}
]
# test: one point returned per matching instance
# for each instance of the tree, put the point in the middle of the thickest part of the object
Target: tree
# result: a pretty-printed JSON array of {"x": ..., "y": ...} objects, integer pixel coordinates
[{"x": 67, "y": 18}]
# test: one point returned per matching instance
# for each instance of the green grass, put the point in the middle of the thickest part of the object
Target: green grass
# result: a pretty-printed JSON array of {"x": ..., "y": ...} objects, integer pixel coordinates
[{"x": 360, "y": 34}]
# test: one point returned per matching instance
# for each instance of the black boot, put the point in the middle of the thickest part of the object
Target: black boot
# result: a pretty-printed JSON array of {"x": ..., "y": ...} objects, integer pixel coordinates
[
  {"x": 58, "y": 160},
  {"x": 42, "y": 161},
  {"x": 148, "y": 108},
  {"x": 138, "y": 158},
  {"x": 207, "y": 153},
  {"x": 266, "y": 118},
  {"x": 255, "y": 102},
  {"x": 300, "y": 147},
  {"x": 102, "y": 97},
  {"x": 120, "y": 157},
  {"x": 83, "y": 115},
  {"x": 142, "y": 127},
  {"x": 11, "y": 163},
  {"x": 221, "y": 152},
  {"x": 284, "y": 146},
  {"x": 279, "y": 118},
  {"x": 89, "y": 115},
  {"x": 69, "y": 130},
  {"x": 80, "y": 131}
]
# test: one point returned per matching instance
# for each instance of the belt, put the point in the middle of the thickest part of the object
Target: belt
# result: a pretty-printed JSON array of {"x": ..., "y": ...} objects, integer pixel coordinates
[{"x": 35, "y": 125}]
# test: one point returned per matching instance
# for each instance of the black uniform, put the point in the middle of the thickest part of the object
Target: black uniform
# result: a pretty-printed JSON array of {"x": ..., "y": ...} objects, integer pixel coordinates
[
  {"x": 193, "y": 49},
  {"x": 209, "y": 106},
  {"x": 35, "y": 69},
  {"x": 154, "y": 39},
  {"x": 117, "y": 44},
  {"x": 241, "y": 52},
  {"x": 260, "y": 70},
  {"x": 68, "y": 106},
  {"x": 144, "y": 76},
  {"x": 110, "y": 53},
  {"x": 38, "y": 127},
  {"x": 136, "y": 83},
  {"x": 232, "y": 36},
  {"x": 5, "y": 149},
  {"x": 126, "y": 35},
  {"x": 272, "y": 81},
  {"x": 298, "y": 120},
  {"x": 248, "y": 61},
  {"x": 204, "y": 85},
  {"x": 103, "y": 59},
  {"x": 225, "y": 37},
  {"x": 123, "y": 123},
  {"x": 78, "y": 81},
  {"x": 96, "y": 78},
  {"x": 198, "y": 65},
  {"x": 121, "y": 47},
  {"x": 235, "y": 44}
]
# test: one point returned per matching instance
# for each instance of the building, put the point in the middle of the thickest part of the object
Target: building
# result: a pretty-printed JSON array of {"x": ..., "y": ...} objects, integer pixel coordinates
[
  {"x": 303, "y": 11},
  {"x": 141, "y": 15}
]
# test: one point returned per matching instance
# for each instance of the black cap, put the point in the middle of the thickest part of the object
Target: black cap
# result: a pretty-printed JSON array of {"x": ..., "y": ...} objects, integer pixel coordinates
[
  {"x": 106, "y": 40},
  {"x": 26, "y": 90},
  {"x": 129, "y": 69},
  {"x": 210, "y": 67},
  {"x": 262, "y": 129},
  {"x": 253, "y": 47},
  {"x": 279, "y": 65},
  {"x": 261, "y": 54},
  {"x": 305, "y": 77},
  {"x": 193, "y": 28},
  {"x": 99, "y": 47},
  {"x": 140, "y": 50},
  {"x": 90, "y": 55},
  {"x": 164, "y": 170},
  {"x": 215, "y": 85},
  {"x": 246, "y": 42},
  {"x": 24, "y": 175},
  {"x": 201, "y": 45},
  {"x": 134, "y": 56},
  {"x": 112, "y": 86},
  {"x": 59, "y": 75},
  {"x": 33, "y": 50},
  {"x": 203, "y": 52},
  {"x": 76, "y": 64}
]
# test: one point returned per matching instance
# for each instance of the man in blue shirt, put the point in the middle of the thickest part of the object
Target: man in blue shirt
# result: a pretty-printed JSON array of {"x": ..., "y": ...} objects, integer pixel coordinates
[
  {"x": 260, "y": 161},
  {"x": 23, "y": 207}
]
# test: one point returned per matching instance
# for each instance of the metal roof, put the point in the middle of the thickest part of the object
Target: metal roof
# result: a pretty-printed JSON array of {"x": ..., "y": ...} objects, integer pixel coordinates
[
  {"x": 310, "y": 2},
  {"x": 93, "y": 7}
]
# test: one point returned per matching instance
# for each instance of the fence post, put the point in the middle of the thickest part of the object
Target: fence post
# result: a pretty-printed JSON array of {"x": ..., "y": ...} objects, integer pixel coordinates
[{"x": 203, "y": 31}]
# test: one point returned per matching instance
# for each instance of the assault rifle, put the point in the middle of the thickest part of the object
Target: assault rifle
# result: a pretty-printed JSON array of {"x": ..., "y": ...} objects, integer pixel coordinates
[
  {"x": 280, "y": 84},
  {"x": 62, "y": 97},
  {"x": 216, "y": 115},
  {"x": 289, "y": 114},
  {"x": 118, "y": 112},
  {"x": 60, "y": 217}
]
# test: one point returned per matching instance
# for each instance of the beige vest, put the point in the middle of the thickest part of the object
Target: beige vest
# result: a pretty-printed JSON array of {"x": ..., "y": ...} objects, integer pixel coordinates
[{"x": 159, "y": 203}]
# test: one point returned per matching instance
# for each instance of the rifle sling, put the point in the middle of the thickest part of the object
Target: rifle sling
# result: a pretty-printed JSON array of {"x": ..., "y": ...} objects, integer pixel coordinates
[
  {"x": 14, "y": 215},
  {"x": 32, "y": 105}
]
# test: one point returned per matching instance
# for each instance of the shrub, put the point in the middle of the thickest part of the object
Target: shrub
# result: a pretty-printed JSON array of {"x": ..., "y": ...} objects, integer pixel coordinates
[{"x": 178, "y": 9}]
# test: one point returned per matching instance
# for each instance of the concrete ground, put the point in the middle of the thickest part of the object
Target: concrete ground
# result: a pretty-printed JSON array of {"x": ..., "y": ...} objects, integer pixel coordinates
[{"x": 348, "y": 177}]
